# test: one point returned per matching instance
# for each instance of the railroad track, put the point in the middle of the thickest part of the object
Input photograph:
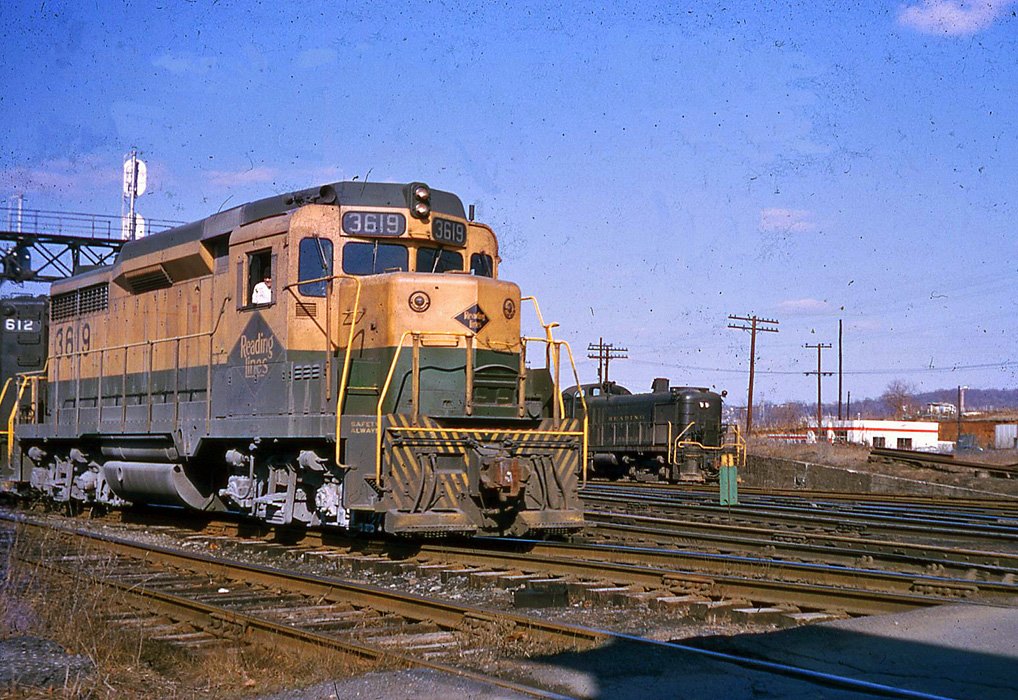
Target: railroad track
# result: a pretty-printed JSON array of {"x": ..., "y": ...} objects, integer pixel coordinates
[
  {"x": 939, "y": 462},
  {"x": 972, "y": 528},
  {"x": 767, "y": 588},
  {"x": 1004, "y": 504},
  {"x": 194, "y": 599},
  {"x": 842, "y": 550}
]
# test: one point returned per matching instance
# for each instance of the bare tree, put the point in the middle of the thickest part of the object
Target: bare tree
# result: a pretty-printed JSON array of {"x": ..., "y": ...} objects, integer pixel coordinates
[
  {"x": 899, "y": 396},
  {"x": 787, "y": 416}
]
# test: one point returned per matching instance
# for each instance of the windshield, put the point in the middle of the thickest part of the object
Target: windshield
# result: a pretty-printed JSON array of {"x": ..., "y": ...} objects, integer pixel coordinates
[
  {"x": 438, "y": 260},
  {"x": 374, "y": 258}
]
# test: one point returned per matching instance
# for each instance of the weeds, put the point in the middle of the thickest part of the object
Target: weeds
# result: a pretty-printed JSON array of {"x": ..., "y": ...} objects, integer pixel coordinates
[{"x": 79, "y": 613}]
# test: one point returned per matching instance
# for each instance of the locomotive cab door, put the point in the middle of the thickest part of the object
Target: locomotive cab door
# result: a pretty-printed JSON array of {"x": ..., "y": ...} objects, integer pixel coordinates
[
  {"x": 256, "y": 359},
  {"x": 663, "y": 414}
]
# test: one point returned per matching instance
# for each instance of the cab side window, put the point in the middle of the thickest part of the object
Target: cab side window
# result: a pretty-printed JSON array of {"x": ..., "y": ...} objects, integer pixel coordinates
[
  {"x": 482, "y": 265},
  {"x": 259, "y": 278},
  {"x": 314, "y": 263}
]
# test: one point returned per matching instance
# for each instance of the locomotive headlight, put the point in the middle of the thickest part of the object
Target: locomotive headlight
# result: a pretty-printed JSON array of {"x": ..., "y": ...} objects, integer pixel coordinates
[
  {"x": 419, "y": 301},
  {"x": 419, "y": 200}
]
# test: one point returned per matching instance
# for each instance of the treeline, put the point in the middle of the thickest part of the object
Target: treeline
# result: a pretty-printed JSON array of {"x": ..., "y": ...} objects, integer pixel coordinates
[{"x": 898, "y": 402}]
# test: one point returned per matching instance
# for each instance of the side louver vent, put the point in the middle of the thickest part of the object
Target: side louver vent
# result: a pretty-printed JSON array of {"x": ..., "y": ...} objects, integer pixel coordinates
[
  {"x": 149, "y": 281},
  {"x": 306, "y": 309}
]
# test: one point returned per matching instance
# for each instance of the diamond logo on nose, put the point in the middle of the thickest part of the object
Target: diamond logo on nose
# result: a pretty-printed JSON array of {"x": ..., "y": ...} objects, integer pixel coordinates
[{"x": 473, "y": 318}]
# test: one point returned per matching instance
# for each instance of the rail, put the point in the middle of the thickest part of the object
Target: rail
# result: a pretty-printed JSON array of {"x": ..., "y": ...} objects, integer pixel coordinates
[
  {"x": 940, "y": 462},
  {"x": 8, "y": 436},
  {"x": 738, "y": 443},
  {"x": 22, "y": 381},
  {"x": 559, "y": 401}
]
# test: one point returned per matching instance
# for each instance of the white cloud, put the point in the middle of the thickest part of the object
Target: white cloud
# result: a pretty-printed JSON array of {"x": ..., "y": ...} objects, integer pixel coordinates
[
  {"x": 776, "y": 220},
  {"x": 230, "y": 178},
  {"x": 286, "y": 178},
  {"x": 64, "y": 175},
  {"x": 952, "y": 17},
  {"x": 805, "y": 306}
]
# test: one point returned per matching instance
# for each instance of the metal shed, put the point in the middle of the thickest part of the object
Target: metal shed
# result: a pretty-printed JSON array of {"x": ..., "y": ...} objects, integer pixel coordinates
[{"x": 1006, "y": 436}]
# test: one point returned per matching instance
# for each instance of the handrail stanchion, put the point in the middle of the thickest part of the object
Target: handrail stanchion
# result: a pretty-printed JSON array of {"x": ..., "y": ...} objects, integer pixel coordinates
[{"x": 345, "y": 376}]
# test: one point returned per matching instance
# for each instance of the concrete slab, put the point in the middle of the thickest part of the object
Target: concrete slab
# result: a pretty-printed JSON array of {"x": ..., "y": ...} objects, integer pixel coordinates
[
  {"x": 964, "y": 651},
  {"x": 961, "y": 651}
]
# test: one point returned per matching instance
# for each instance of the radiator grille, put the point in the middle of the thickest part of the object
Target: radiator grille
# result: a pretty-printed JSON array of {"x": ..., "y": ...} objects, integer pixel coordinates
[{"x": 86, "y": 300}]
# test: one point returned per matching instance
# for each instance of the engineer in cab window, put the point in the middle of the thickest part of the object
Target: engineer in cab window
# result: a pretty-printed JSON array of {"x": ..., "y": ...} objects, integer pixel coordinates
[{"x": 262, "y": 293}]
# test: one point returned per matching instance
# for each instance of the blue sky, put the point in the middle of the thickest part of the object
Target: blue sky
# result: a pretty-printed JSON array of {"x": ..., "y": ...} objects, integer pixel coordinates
[{"x": 649, "y": 169}]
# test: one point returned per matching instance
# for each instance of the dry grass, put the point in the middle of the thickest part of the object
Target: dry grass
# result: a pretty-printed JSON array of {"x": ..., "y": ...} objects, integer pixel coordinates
[
  {"x": 75, "y": 613},
  {"x": 821, "y": 453},
  {"x": 845, "y": 455}
]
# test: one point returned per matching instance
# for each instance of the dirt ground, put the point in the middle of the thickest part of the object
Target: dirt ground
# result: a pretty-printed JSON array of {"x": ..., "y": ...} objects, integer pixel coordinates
[{"x": 911, "y": 479}]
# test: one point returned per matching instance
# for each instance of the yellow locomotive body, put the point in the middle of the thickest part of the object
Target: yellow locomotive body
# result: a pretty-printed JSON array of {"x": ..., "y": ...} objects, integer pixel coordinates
[{"x": 344, "y": 355}]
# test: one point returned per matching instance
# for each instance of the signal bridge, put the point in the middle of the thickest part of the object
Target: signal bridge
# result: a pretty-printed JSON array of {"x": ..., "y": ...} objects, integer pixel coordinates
[{"x": 37, "y": 245}]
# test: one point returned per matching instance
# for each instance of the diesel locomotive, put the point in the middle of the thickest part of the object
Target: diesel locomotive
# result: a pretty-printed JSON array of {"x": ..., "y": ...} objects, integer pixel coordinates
[
  {"x": 339, "y": 356},
  {"x": 672, "y": 434}
]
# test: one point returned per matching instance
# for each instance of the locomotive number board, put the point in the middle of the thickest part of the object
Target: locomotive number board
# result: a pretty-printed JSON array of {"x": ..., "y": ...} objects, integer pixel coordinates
[
  {"x": 451, "y": 232},
  {"x": 373, "y": 223}
]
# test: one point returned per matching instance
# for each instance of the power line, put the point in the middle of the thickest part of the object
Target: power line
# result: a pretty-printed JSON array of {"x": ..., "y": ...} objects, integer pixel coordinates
[
  {"x": 756, "y": 324},
  {"x": 605, "y": 352},
  {"x": 820, "y": 347},
  {"x": 901, "y": 370}
]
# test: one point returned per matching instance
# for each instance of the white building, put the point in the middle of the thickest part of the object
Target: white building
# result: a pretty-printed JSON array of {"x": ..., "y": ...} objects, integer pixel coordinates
[
  {"x": 940, "y": 410},
  {"x": 897, "y": 434}
]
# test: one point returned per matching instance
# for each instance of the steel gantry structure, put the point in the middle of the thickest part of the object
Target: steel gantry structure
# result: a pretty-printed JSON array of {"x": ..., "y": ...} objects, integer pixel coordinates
[{"x": 37, "y": 245}]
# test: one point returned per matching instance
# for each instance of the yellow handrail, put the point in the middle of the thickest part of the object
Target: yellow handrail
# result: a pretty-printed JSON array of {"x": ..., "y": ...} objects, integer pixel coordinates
[
  {"x": 345, "y": 377},
  {"x": 583, "y": 400},
  {"x": 739, "y": 444},
  {"x": 548, "y": 339},
  {"x": 7, "y": 433},
  {"x": 26, "y": 379},
  {"x": 676, "y": 441},
  {"x": 388, "y": 383}
]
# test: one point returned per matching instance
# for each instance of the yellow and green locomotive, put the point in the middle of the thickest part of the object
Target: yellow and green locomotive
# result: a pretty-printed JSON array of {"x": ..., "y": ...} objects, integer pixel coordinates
[{"x": 339, "y": 356}]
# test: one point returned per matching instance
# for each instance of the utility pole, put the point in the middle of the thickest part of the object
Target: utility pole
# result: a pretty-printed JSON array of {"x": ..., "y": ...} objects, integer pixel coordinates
[
  {"x": 820, "y": 347},
  {"x": 605, "y": 352},
  {"x": 756, "y": 324},
  {"x": 961, "y": 407},
  {"x": 840, "y": 373}
]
